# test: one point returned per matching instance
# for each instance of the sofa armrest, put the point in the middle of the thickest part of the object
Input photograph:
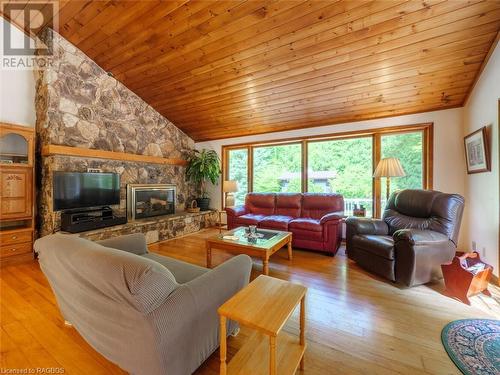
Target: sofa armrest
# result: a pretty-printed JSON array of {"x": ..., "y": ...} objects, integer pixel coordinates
[
  {"x": 210, "y": 290},
  {"x": 338, "y": 215},
  {"x": 222, "y": 282},
  {"x": 419, "y": 255},
  {"x": 361, "y": 225},
  {"x": 419, "y": 236},
  {"x": 187, "y": 321},
  {"x": 134, "y": 243},
  {"x": 236, "y": 211}
]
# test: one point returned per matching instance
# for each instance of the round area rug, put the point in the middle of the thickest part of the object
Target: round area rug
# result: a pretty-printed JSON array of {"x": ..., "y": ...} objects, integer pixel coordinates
[{"x": 474, "y": 345}]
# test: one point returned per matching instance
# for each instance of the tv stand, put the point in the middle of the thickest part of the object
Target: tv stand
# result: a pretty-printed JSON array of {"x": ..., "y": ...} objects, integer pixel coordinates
[{"x": 76, "y": 221}]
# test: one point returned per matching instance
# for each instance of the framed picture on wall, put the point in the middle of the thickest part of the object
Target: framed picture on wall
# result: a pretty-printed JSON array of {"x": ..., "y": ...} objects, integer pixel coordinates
[{"x": 477, "y": 154}]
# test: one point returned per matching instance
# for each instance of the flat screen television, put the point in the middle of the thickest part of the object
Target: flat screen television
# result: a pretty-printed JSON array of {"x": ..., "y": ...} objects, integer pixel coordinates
[{"x": 83, "y": 190}]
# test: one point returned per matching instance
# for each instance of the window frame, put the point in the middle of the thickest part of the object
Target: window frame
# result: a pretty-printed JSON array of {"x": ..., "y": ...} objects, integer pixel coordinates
[{"x": 376, "y": 134}]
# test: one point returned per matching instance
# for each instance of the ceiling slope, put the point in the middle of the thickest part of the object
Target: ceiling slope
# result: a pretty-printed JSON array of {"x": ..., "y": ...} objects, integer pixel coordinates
[{"x": 221, "y": 69}]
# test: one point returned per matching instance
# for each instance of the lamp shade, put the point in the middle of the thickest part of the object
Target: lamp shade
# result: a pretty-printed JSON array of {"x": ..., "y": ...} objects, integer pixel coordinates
[
  {"x": 229, "y": 186},
  {"x": 389, "y": 167}
]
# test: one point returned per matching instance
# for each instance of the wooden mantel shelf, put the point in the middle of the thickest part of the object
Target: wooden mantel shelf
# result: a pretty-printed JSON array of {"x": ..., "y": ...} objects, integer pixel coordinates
[{"x": 48, "y": 150}]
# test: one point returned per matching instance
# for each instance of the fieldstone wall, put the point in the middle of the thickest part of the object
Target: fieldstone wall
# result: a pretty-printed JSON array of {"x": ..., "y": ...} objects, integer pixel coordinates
[
  {"x": 160, "y": 229},
  {"x": 78, "y": 104}
]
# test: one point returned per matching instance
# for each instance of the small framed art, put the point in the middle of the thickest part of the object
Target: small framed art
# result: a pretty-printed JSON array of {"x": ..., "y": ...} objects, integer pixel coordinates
[{"x": 477, "y": 155}]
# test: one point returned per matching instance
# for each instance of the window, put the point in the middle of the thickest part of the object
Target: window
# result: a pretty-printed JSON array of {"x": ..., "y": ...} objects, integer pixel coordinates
[
  {"x": 342, "y": 166},
  {"x": 277, "y": 168},
  {"x": 238, "y": 170},
  {"x": 407, "y": 147},
  {"x": 338, "y": 163}
]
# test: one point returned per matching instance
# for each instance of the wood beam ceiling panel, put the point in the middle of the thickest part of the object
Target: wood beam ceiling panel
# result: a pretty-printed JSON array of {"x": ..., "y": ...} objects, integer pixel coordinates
[
  {"x": 269, "y": 47},
  {"x": 332, "y": 84},
  {"x": 187, "y": 22},
  {"x": 367, "y": 113},
  {"x": 331, "y": 111},
  {"x": 396, "y": 52},
  {"x": 228, "y": 68},
  {"x": 232, "y": 37},
  {"x": 335, "y": 75},
  {"x": 376, "y": 43}
]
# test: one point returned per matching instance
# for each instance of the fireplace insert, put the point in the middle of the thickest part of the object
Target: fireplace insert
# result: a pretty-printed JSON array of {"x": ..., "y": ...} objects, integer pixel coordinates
[{"x": 149, "y": 200}]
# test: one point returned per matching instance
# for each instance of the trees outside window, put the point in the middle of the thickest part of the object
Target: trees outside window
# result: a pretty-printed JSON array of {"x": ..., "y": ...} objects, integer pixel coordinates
[
  {"x": 277, "y": 168},
  {"x": 407, "y": 147},
  {"x": 342, "y": 166},
  {"x": 238, "y": 171}
]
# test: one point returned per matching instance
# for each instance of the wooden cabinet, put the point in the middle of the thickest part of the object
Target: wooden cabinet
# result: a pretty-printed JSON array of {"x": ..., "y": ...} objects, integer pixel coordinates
[{"x": 16, "y": 192}]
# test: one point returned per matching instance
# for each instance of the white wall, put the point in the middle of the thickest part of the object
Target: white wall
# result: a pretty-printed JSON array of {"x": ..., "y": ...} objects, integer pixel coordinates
[
  {"x": 482, "y": 189},
  {"x": 17, "y": 87},
  {"x": 449, "y": 160}
]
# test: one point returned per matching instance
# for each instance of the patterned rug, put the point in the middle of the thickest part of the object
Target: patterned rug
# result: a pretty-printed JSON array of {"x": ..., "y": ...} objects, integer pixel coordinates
[{"x": 474, "y": 345}]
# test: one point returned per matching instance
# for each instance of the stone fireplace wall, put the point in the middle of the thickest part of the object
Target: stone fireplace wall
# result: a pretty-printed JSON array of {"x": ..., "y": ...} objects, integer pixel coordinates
[{"x": 78, "y": 104}]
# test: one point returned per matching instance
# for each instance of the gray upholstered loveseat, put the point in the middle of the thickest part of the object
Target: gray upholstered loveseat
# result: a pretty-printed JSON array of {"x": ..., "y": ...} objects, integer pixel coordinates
[{"x": 149, "y": 314}]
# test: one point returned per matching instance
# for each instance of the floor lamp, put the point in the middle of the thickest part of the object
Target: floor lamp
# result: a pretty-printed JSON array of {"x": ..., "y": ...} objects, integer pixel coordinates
[{"x": 389, "y": 167}]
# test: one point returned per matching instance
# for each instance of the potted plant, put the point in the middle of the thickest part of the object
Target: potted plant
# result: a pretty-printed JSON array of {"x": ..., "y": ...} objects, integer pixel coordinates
[{"x": 203, "y": 166}]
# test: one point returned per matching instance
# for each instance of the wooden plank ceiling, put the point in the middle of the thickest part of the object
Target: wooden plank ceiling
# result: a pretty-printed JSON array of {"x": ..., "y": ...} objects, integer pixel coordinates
[{"x": 220, "y": 69}]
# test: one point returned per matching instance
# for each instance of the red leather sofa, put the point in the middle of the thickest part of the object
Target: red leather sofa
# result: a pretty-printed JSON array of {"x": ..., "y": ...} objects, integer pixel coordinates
[{"x": 313, "y": 219}]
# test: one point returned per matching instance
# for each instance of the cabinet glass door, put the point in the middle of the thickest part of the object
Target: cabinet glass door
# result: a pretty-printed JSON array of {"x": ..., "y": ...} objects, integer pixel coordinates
[{"x": 14, "y": 149}]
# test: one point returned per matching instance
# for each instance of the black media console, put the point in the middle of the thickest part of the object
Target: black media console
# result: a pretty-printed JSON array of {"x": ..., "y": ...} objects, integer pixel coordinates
[{"x": 83, "y": 220}]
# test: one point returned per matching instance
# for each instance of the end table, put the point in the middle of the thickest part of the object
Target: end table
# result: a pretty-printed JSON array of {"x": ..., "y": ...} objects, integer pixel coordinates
[{"x": 265, "y": 305}]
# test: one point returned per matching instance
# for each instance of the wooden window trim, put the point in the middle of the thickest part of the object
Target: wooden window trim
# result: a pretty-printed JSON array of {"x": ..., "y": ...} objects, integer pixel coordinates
[
  {"x": 376, "y": 185},
  {"x": 376, "y": 134}
]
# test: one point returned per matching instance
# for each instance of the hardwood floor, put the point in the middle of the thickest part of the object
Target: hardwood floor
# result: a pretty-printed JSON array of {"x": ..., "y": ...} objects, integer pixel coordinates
[{"x": 356, "y": 323}]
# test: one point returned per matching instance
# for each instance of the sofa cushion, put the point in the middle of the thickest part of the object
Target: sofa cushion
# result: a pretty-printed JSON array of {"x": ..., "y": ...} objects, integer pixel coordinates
[
  {"x": 260, "y": 203},
  {"x": 133, "y": 243},
  {"x": 303, "y": 234},
  {"x": 308, "y": 224},
  {"x": 315, "y": 205},
  {"x": 278, "y": 222},
  {"x": 182, "y": 271},
  {"x": 249, "y": 219},
  {"x": 288, "y": 204},
  {"x": 382, "y": 246}
]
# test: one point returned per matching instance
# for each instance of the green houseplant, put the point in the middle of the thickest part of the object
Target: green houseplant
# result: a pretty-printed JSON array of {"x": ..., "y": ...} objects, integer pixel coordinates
[{"x": 203, "y": 166}]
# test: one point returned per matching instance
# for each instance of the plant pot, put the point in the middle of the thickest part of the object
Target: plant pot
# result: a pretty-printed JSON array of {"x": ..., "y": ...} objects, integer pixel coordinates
[{"x": 203, "y": 203}]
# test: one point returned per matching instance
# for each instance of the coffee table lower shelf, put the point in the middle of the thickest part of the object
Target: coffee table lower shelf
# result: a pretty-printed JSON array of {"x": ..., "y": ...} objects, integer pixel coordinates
[{"x": 253, "y": 357}]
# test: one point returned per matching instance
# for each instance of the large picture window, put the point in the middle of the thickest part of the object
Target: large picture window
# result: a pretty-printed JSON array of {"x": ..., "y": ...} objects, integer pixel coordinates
[
  {"x": 277, "y": 169},
  {"x": 337, "y": 163},
  {"x": 342, "y": 166}
]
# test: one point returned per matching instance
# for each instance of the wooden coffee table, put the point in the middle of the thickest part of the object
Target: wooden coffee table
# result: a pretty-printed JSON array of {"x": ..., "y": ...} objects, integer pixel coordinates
[
  {"x": 261, "y": 248},
  {"x": 265, "y": 305}
]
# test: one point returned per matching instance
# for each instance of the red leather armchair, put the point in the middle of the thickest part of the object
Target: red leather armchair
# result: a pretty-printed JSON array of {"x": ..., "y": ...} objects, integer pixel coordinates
[{"x": 313, "y": 219}]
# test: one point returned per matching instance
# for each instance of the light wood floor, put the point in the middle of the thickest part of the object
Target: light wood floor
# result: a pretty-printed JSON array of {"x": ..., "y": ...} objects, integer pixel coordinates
[{"x": 357, "y": 323}]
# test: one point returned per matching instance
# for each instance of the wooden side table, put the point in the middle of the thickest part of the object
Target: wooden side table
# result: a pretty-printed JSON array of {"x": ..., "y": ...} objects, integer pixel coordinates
[
  {"x": 219, "y": 222},
  {"x": 265, "y": 305},
  {"x": 466, "y": 276}
]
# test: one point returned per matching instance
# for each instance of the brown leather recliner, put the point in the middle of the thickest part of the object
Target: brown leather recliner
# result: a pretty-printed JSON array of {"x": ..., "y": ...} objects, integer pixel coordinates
[{"x": 417, "y": 233}]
